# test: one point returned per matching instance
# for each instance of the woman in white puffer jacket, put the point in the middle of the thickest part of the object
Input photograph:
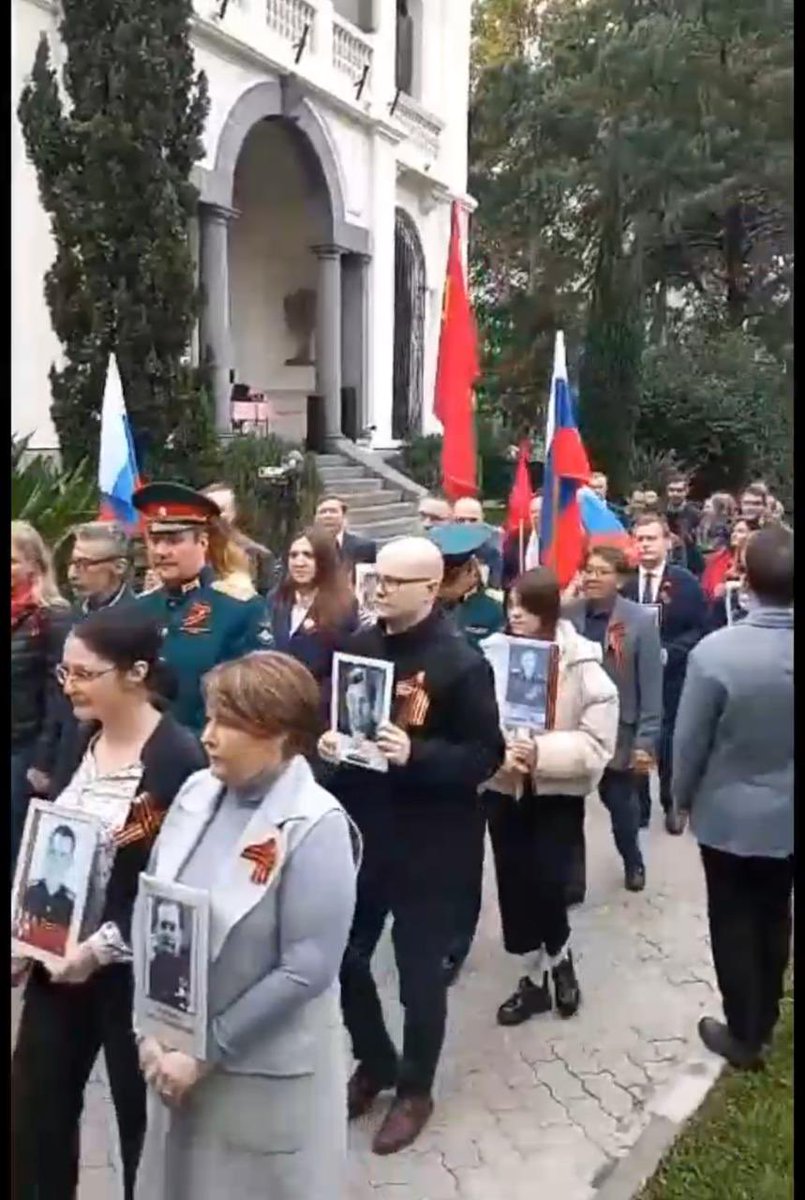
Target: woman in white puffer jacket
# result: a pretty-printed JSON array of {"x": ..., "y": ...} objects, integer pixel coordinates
[{"x": 533, "y": 802}]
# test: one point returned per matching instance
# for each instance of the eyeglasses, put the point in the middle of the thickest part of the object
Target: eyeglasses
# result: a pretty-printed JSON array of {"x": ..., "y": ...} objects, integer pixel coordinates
[
  {"x": 391, "y": 583},
  {"x": 598, "y": 572},
  {"x": 467, "y": 520},
  {"x": 81, "y": 564},
  {"x": 79, "y": 674}
]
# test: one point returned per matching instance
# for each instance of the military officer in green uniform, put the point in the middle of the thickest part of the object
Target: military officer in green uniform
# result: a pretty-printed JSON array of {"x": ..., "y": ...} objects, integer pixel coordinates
[
  {"x": 476, "y": 612},
  {"x": 203, "y": 623},
  {"x": 477, "y": 615}
]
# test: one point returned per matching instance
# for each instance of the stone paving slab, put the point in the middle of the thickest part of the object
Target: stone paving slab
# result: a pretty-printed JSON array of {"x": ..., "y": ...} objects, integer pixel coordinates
[{"x": 547, "y": 1108}]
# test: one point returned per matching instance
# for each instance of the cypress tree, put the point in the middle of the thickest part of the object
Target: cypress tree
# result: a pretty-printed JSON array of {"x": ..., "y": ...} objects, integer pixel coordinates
[{"x": 113, "y": 142}]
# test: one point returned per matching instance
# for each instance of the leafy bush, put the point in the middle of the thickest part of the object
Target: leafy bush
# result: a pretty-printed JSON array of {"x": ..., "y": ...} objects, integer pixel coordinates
[
  {"x": 420, "y": 458},
  {"x": 51, "y": 500}
]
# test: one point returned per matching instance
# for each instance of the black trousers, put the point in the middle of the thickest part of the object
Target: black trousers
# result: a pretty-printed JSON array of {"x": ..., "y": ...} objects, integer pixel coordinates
[
  {"x": 532, "y": 840},
  {"x": 422, "y": 931},
  {"x": 468, "y": 910},
  {"x": 617, "y": 792},
  {"x": 749, "y": 910},
  {"x": 62, "y": 1028}
]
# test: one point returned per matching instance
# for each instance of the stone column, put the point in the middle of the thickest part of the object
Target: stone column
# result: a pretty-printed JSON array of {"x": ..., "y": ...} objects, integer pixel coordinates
[
  {"x": 214, "y": 325},
  {"x": 328, "y": 336},
  {"x": 355, "y": 282}
]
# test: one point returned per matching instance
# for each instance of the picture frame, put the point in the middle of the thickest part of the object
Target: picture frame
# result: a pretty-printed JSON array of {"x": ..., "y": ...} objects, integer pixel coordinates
[
  {"x": 366, "y": 589},
  {"x": 656, "y": 612},
  {"x": 52, "y": 881},
  {"x": 360, "y": 702},
  {"x": 733, "y": 592},
  {"x": 525, "y": 683},
  {"x": 171, "y": 965}
]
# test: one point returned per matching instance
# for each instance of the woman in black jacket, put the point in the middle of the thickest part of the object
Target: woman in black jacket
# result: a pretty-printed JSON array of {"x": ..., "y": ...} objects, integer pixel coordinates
[
  {"x": 129, "y": 762},
  {"x": 40, "y": 618}
]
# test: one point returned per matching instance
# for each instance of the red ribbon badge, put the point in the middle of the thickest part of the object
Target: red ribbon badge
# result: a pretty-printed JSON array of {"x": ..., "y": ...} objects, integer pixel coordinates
[
  {"x": 264, "y": 857},
  {"x": 195, "y": 617},
  {"x": 616, "y": 637}
]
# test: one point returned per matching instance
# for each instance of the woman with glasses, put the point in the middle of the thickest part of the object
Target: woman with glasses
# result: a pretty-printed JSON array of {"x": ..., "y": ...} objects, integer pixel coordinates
[
  {"x": 535, "y": 803},
  {"x": 128, "y": 762},
  {"x": 40, "y": 618},
  {"x": 314, "y": 609}
]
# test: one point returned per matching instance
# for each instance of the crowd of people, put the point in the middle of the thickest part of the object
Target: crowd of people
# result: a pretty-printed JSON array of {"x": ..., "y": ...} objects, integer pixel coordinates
[{"x": 191, "y": 721}]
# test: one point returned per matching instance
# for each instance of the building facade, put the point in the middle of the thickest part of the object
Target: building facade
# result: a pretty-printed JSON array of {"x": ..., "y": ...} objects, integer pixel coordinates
[{"x": 335, "y": 143}]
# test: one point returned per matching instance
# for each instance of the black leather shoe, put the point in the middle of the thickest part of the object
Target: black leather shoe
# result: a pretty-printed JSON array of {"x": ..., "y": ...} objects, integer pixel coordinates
[
  {"x": 452, "y": 969},
  {"x": 718, "y": 1039},
  {"x": 566, "y": 987},
  {"x": 675, "y": 822},
  {"x": 362, "y": 1091},
  {"x": 575, "y": 893},
  {"x": 527, "y": 1001},
  {"x": 635, "y": 880}
]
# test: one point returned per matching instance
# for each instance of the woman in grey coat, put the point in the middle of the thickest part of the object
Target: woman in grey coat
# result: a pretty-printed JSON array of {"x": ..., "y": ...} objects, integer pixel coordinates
[{"x": 264, "y": 1116}]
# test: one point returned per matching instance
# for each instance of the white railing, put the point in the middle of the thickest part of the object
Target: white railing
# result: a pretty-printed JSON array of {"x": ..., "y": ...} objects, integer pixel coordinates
[
  {"x": 288, "y": 18},
  {"x": 421, "y": 126},
  {"x": 352, "y": 53}
]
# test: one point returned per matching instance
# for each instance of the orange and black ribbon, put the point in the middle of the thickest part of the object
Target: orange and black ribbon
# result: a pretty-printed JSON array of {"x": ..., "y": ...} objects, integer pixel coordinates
[
  {"x": 415, "y": 701},
  {"x": 142, "y": 823},
  {"x": 263, "y": 856}
]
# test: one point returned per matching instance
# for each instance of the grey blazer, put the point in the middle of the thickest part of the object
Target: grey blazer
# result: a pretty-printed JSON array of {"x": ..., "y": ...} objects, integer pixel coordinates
[
  {"x": 637, "y": 674},
  {"x": 734, "y": 737}
]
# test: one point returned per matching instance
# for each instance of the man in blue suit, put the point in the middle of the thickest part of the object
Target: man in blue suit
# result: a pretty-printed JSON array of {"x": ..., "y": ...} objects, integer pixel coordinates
[{"x": 681, "y": 610}]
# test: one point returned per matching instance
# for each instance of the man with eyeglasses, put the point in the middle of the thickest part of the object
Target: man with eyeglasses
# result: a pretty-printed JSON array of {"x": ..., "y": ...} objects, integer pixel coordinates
[
  {"x": 99, "y": 566},
  {"x": 419, "y": 822}
]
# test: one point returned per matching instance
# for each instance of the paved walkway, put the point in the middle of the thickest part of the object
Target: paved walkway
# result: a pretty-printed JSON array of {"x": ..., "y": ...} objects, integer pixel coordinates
[{"x": 546, "y": 1108}]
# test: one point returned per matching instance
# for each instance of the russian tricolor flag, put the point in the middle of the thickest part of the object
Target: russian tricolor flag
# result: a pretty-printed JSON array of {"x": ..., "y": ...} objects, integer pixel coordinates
[
  {"x": 601, "y": 525},
  {"x": 562, "y": 534},
  {"x": 118, "y": 477}
]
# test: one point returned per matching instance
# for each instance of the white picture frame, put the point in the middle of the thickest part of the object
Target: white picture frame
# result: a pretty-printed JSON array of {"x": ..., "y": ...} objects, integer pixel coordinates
[
  {"x": 360, "y": 702},
  {"x": 656, "y": 612},
  {"x": 366, "y": 590},
  {"x": 52, "y": 879},
  {"x": 171, "y": 965},
  {"x": 733, "y": 592},
  {"x": 525, "y": 671}
]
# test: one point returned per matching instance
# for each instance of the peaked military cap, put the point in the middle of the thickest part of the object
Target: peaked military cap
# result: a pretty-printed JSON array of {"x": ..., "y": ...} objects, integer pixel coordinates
[
  {"x": 169, "y": 507},
  {"x": 457, "y": 542}
]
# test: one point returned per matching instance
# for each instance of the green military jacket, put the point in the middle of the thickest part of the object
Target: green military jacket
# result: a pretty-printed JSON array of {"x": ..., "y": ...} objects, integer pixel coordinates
[
  {"x": 201, "y": 627},
  {"x": 478, "y": 616}
]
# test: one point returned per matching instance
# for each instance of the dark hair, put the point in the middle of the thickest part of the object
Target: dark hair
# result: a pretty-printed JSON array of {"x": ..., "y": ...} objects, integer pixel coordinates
[
  {"x": 123, "y": 636},
  {"x": 652, "y": 518},
  {"x": 334, "y": 597},
  {"x": 538, "y": 592},
  {"x": 331, "y": 498},
  {"x": 769, "y": 560},
  {"x": 62, "y": 831},
  {"x": 612, "y": 555},
  {"x": 677, "y": 477},
  {"x": 266, "y": 694}
]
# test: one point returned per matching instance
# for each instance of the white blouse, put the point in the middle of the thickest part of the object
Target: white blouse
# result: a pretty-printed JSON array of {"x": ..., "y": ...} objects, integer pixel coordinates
[{"x": 108, "y": 798}]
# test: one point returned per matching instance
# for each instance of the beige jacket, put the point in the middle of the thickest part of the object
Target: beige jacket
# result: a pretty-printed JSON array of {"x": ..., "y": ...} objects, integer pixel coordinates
[{"x": 572, "y": 756}]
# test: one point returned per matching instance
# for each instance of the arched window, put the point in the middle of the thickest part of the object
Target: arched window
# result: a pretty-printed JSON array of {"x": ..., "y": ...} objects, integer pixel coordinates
[{"x": 409, "y": 327}]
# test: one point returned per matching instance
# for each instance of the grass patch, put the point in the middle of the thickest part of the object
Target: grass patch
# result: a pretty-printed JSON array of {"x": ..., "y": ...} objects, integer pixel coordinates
[{"x": 740, "y": 1144}]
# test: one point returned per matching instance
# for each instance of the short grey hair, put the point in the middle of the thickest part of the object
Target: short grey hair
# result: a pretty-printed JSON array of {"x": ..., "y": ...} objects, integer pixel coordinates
[{"x": 110, "y": 534}]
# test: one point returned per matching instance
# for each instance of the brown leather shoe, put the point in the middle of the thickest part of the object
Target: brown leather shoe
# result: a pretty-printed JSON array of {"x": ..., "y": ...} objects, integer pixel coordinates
[
  {"x": 403, "y": 1124},
  {"x": 362, "y": 1091}
]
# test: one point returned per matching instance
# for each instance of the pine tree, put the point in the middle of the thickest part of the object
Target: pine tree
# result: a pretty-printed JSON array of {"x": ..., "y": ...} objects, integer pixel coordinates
[{"x": 113, "y": 160}]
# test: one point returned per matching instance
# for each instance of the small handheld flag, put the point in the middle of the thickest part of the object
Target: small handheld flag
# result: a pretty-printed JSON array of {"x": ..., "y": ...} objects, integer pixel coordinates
[
  {"x": 118, "y": 476},
  {"x": 562, "y": 536}
]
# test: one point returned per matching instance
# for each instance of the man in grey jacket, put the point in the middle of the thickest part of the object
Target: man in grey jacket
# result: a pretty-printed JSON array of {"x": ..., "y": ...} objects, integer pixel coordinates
[
  {"x": 734, "y": 773},
  {"x": 630, "y": 643}
]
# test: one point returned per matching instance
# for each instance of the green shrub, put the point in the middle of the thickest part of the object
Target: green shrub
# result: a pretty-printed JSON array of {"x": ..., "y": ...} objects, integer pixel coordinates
[{"x": 51, "y": 500}]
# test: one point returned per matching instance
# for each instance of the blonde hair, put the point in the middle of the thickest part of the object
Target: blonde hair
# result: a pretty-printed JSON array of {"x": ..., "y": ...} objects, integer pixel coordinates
[
  {"x": 33, "y": 551},
  {"x": 225, "y": 556}
]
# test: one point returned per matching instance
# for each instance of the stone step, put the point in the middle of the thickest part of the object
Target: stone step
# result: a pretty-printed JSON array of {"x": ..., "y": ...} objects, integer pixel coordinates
[
  {"x": 383, "y": 531},
  {"x": 347, "y": 471},
  {"x": 367, "y": 499},
  {"x": 359, "y": 483},
  {"x": 330, "y": 460},
  {"x": 373, "y": 515}
]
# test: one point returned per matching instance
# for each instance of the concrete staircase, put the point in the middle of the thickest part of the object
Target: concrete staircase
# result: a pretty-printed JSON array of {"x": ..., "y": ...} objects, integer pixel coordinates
[{"x": 379, "y": 508}]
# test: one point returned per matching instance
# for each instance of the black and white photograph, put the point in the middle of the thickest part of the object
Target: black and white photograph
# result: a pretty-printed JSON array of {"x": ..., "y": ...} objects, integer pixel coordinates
[
  {"x": 361, "y": 702},
  {"x": 529, "y": 691},
  {"x": 171, "y": 1000},
  {"x": 51, "y": 882},
  {"x": 366, "y": 589},
  {"x": 735, "y": 601}
]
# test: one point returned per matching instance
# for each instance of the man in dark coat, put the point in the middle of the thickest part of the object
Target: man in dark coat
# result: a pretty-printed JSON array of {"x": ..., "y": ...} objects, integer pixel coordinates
[
  {"x": 331, "y": 514},
  {"x": 681, "y": 610},
  {"x": 419, "y": 822},
  {"x": 683, "y": 517},
  {"x": 169, "y": 968}
]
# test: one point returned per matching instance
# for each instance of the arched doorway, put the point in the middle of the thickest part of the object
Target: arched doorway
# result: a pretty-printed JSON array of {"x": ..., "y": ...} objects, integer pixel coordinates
[{"x": 409, "y": 327}]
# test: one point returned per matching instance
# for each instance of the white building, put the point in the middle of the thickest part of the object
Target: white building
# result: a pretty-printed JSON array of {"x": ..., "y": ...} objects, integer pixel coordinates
[{"x": 335, "y": 143}]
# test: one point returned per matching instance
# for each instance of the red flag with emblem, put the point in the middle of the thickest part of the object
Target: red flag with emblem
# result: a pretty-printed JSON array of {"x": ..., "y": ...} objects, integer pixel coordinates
[{"x": 456, "y": 374}]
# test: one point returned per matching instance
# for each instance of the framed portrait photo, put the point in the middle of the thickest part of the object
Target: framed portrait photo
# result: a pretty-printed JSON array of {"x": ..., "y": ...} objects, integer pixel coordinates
[
  {"x": 171, "y": 966},
  {"x": 366, "y": 588},
  {"x": 734, "y": 601},
  {"x": 360, "y": 703},
  {"x": 527, "y": 698},
  {"x": 51, "y": 882}
]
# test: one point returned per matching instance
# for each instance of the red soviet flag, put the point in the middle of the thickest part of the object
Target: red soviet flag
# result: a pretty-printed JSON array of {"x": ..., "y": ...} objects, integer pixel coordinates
[
  {"x": 455, "y": 375},
  {"x": 520, "y": 497}
]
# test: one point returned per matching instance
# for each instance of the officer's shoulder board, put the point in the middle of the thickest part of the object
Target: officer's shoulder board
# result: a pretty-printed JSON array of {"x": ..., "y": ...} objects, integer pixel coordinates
[{"x": 238, "y": 586}]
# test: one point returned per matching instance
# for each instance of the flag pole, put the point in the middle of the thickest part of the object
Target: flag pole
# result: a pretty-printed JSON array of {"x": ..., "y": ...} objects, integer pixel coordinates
[
  {"x": 554, "y": 518},
  {"x": 522, "y": 551}
]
